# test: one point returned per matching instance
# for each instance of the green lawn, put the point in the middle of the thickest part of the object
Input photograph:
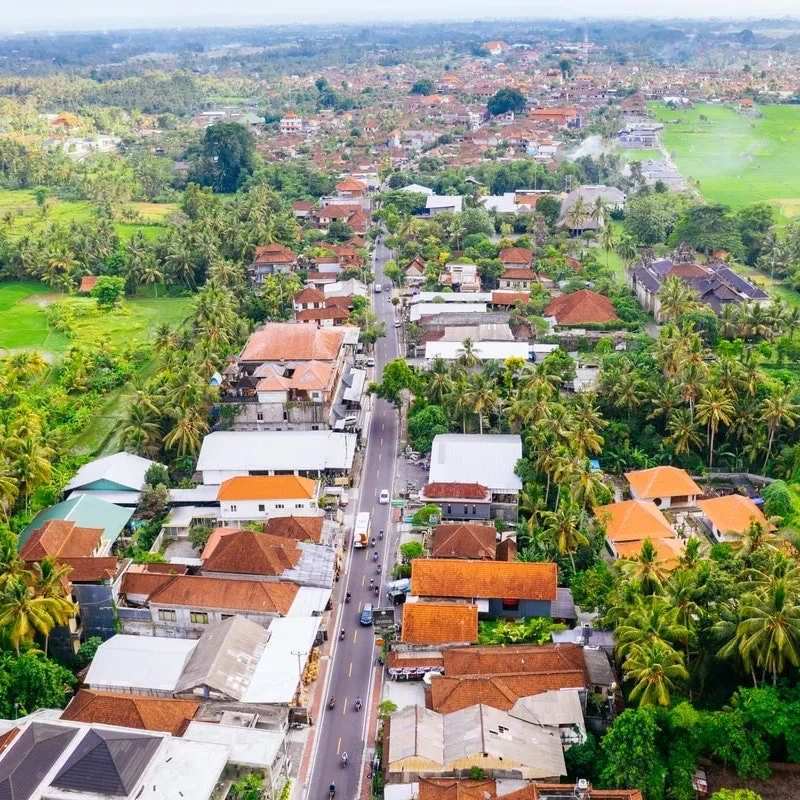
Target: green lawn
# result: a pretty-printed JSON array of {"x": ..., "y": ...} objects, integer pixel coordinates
[
  {"x": 23, "y": 323},
  {"x": 29, "y": 218},
  {"x": 734, "y": 158}
]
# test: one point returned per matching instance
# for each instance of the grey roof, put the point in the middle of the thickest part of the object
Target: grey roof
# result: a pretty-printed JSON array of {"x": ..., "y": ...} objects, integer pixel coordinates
[
  {"x": 487, "y": 459},
  {"x": 225, "y": 658},
  {"x": 107, "y": 762},
  {"x": 646, "y": 278},
  {"x": 316, "y": 566},
  {"x": 600, "y": 671},
  {"x": 30, "y": 757},
  {"x": 146, "y": 662},
  {"x": 741, "y": 285},
  {"x": 564, "y": 605},
  {"x": 553, "y": 708},
  {"x": 259, "y": 451},
  {"x": 125, "y": 469}
]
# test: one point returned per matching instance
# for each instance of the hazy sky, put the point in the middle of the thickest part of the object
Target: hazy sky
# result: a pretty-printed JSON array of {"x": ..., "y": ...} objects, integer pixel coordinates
[{"x": 49, "y": 14}]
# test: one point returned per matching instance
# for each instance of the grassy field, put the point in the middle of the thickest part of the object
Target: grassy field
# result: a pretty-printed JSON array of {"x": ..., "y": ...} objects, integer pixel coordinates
[
  {"x": 640, "y": 155},
  {"x": 29, "y": 218},
  {"x": 735, "y": 158},
  {"x": 23, "y": 320},
  {"x": 23, "y": 324}
]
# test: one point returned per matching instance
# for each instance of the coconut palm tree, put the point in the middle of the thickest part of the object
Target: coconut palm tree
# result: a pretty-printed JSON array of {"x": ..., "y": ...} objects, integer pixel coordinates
[
  {"x": 563, "y": 528},
  {"x": 627, "y": 249},
  {"x": 651, "y": 619},
  {"x": 682, "y": 431},
  {"x": 655, "y": 667},
  {"x": 23, "y": 614},
  {"x": 715, "y": 407},
  {"x": 31, "y": 465},
  {"x": 777, "y": 409},
  {"x": 187, "y": 433},
  {"x": 608, "y": 241},
  {"x": 481, "y": 396},
  {"x": 767, "y": 635},
  {"x": 467, "y": 356},
  {"x": 646, "y": 568},
  {"x": 675, "y": 298}
]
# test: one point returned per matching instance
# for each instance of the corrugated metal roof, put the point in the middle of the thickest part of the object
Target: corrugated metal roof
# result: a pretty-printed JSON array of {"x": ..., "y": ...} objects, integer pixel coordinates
[
  {"x": 123, "y": 468},
  {"x": 473, "y": 458}
]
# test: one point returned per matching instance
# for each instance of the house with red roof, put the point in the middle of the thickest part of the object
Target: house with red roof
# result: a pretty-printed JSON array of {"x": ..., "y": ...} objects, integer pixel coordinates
[
  {"x": 583, "y": 307},
  {"x": 271, "y": 259}
]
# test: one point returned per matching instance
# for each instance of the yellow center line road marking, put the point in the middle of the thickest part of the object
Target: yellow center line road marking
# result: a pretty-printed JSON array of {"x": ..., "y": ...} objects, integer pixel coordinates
[
  {"x": 339, "y": 746},
  {"x": 350, "y": 671},
  {"x": 344, "y": 707},
  {"x": 380, "y": 455},
  {"x": 355, "y": 635},
  {"x": 381, "y": 439},
  {"x": 363, "y": 580},
  {"x": 383, "y": 428},
  {"x": 359, "y": 606}
]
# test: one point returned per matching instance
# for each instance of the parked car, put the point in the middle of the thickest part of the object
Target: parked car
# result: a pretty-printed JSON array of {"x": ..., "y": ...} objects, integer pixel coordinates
[{"x": 370, "y": 362}]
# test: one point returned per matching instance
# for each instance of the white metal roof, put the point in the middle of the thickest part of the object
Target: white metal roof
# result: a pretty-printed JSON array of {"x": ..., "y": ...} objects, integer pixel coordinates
[
  {"x": 123, "y": 468},
  {"x": 249, "y": 747},
  {"x": 309, "y": 600},
  {"x": 280, "y": 667},
  {"x": 416, "y": 188},
  {"x": 140, "y": 662},
  {"x": 432, "y": 309},
  {"x": 486, "y": 351},
  {"x": 451, "y": 297},
  {"x": 260, "y": 451},
  {"x": 487, "y": 459},
  {"x": 200, "y": 766}
]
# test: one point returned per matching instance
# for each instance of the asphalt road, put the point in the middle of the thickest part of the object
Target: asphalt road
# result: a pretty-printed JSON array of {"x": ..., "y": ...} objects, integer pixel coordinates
[{"x": 351, "y": 669}]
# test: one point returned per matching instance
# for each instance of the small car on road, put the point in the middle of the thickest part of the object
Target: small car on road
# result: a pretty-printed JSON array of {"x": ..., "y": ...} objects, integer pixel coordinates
[
  {"x": 366, "y": 614},
  {"x": 383, "y": 499}
]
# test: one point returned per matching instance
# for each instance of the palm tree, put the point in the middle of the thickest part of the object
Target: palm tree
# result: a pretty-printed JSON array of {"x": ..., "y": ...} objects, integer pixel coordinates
[
  {"x": 32, "y": 465},
  {"x": 577, "y": 215},
  {"x": 777, "y": 410},
  {"x": 715, "y": 407},
  {"x": 627, "y": 249},
  {"x": 608, "y": 241},
  {"x": 50, "y": 582},
  {"x": 187, "y": 433},
  {"x": 481, "y": 396},
  {"x": 630, "y": 392},
  {"x": 767, "y": 635},
  {"x": 655, "y": 667},
  {"x": 440, "y": 383},
  {"x": 652, "y": 619},
  {"x": 467, "y": 356},
  {"x": 150, "y": 275},
  {"x": 23, "y": 614},
  {"x": 646, "y": 568},
  {"x": 675, "y": 298},
  {"x": 683, "y": 431},
  {"x": 562, "y": 527},
  {"x": 11, "y": 565}
]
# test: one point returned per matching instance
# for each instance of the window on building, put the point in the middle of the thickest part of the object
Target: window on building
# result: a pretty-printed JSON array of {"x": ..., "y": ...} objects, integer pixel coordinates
[
  {"x": 262, "y": 507},
  {"x": 298, "y": 505},
  {"x": 278, "y": 505},
  {"x": 165, "y": 615},
  {"x": 226, "y": 616},
  {"x": 449, "y": 509},
  {"x": 198, "y": 617},
  {"x": 233, "y": 507},
  {"x": 259, "y": 416},
  {"x": 473, "y": 511},
  {"x": 510, "y": 605}
]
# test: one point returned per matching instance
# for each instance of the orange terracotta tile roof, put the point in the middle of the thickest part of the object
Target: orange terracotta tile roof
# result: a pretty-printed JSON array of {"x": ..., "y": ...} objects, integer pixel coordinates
[
  {"x": 339, "y": 302},
  {"x": 515, "y": 659},
  {"x": 519, "y": 274},
  {"x": 509, "y": 298},
  {"x": 203, "y": 592},
  {"x": 456, "y": 789},
  {"x": 439, "y": 623},
  {"x": 498, "y": 691},
  {"x": 131, "y": 711},
  {"x": 267, "y": 487},
  {"x": 351, "y": 185},
  {"x": 302, "y": 529},
  {"x": 440, "y": 577},
  {"x": 634, "y": 520},
  {"x": 308, "y": 296},
  {"x": 246, "y": 552},
  {"x": 662, "y": 482},
  {"x": 463, "y": 540},
  {"x": 516, "y": 255},
  {"x": 733, "y": 513},
  {"x": 566, "y": 791},
  {"x": 506, "y": 550},
  {"x": 668, "y": 551},
  {"x": 90, "y": 570},
  {"x": 581, "y": 308},
  {"x": 287, "y": 341},
  {"x": 139, "y": 579},
  {"x": 61, "y": 538},
  {"x": 316, "y": 314},
  {"x": 461, "y": 491},
  {"x": 274, "y": 254}
]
